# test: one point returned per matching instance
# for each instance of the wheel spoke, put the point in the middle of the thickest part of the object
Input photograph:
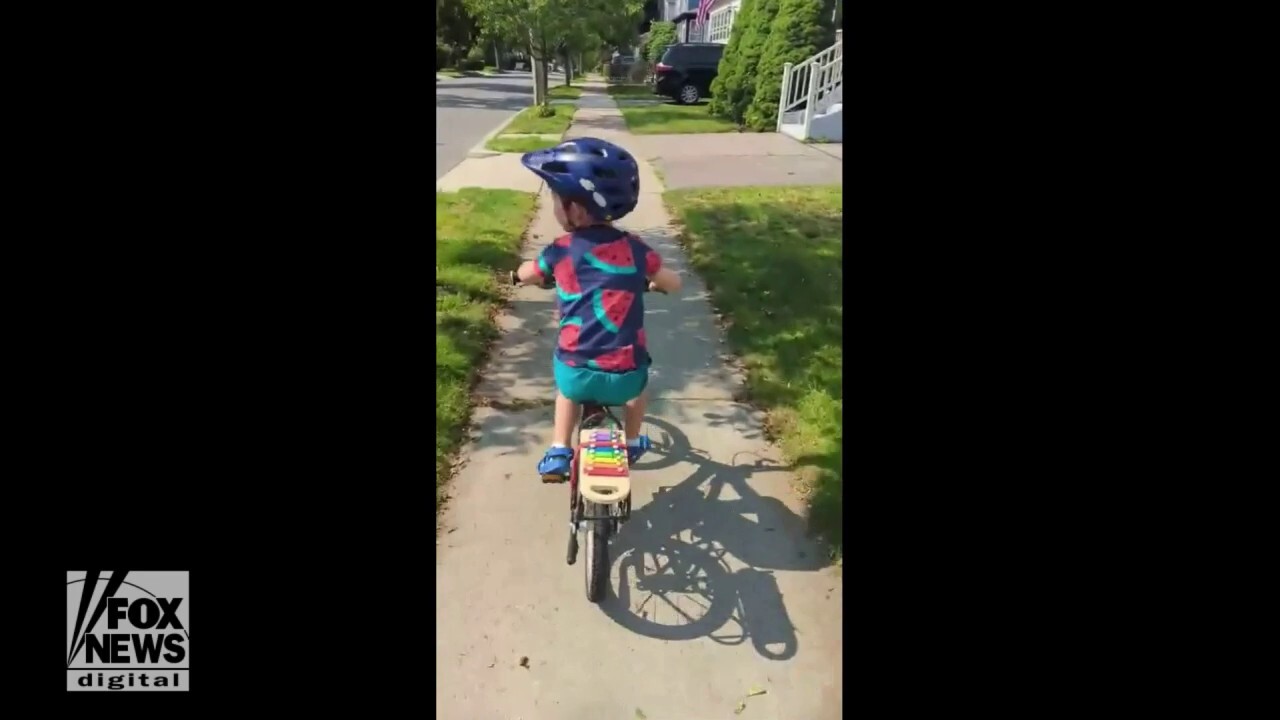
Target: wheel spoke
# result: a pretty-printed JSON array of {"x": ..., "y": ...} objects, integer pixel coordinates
[{"x": 677, "y": 609}]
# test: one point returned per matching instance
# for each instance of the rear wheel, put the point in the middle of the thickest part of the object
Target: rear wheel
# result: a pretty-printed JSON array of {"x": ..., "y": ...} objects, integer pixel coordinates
[
  {"x": 688, "y": 94},
  {"x": 597, "y": 547}
]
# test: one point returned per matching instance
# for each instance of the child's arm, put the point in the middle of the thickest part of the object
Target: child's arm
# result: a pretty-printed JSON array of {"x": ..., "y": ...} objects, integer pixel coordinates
[
  {"x": 660, "y": 278},
  {"x": 665, "y": 281},
  {"x": 537, "y": 272},
  {"x": 528, "y": 272}
]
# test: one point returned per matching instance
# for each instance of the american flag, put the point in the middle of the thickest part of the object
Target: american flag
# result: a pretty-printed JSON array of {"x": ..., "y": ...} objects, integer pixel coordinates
[{"x": 704, "y": 8}]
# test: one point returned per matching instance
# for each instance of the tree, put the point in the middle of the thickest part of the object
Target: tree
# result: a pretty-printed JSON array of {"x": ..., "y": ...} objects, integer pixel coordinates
[
  {"x": 735, "y": 85},
  {"x": 498, "y": 44},
  {"x": 661, "y": 34},
  {"x": 455, "y": 28},
  {"x": 802, "y": 29},
  {"x": 549, "y": 25}
]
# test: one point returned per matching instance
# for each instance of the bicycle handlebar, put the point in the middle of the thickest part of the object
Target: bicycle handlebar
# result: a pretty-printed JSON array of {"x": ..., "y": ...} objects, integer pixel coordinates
[{"x": 549, "y": 282}]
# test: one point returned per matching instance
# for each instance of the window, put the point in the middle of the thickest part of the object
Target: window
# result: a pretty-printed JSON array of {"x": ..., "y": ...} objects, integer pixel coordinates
[{"x": 720, "y": 23}]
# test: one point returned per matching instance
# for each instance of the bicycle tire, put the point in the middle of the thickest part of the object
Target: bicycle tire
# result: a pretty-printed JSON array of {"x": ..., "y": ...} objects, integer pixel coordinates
[{"x": 597, "y": 550}]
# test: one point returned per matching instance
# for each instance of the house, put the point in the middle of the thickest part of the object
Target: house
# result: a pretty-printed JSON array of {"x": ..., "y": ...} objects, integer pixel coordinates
[
  {"x": 812, "y": 104},
  {"x": 720, "y": 20}
]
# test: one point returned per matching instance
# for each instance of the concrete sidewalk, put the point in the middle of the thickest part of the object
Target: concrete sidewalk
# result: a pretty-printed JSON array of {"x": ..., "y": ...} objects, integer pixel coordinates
[
  {"x": 715, "y": 589},
  {"x": 715, "y": 159}
]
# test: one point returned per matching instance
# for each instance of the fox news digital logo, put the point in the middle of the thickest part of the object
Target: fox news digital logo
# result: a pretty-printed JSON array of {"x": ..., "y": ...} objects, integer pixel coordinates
[{"x": 128, "y": 634}]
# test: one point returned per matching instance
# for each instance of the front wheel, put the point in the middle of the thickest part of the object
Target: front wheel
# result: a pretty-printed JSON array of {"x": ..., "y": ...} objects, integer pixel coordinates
[{"x": 597, "y": 547}]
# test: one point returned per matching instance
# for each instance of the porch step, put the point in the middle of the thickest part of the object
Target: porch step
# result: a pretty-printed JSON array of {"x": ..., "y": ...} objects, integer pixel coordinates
[
  {"x": 829, "y": 126},
  {"x": 795, "y": 130},
  {"x": 834, "y": 97}
]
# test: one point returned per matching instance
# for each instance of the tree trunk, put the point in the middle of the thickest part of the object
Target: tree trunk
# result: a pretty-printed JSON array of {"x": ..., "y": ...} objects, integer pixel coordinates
[
  {"x": 535, "y": 66},
  {"x": 539, "y": 82},
  {"x": 497, "y": 61},
  {"x": 568, "y": 69},
  {"x": 542, "y": 70}
]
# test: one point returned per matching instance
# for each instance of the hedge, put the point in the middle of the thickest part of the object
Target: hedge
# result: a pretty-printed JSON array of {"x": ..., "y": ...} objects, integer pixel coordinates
[
  {"x": 661, "y": 34},
  {"x": 802, "y": 29},
  {"x": 736, "y": 77}
]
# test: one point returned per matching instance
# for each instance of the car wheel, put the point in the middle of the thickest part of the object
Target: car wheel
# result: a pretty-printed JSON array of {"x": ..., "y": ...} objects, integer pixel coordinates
[{"x": 688, "y": 94}]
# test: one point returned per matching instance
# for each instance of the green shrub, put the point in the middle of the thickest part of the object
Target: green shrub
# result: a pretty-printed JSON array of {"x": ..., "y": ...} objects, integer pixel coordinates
[
  {"x": 442, "y": 55},
  {"x": 751, "y": 32},
  {"x": 475, "y": 59},
  {"x": 726, "y": 74},
  {"x": 661, "y": 34},
  {"x": 802, "y": 29}
]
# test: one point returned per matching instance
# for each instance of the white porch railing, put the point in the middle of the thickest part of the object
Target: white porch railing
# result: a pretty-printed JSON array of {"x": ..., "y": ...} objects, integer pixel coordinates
[{"x": 808, "y": 82}]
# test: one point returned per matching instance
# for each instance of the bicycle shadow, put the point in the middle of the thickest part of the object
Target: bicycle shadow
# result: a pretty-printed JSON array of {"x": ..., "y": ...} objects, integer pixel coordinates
[{"x": 696, "y": 560}]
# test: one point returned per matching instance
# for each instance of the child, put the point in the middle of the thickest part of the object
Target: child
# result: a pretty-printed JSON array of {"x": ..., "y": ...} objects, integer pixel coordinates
[{"x": 601, "y": 273}]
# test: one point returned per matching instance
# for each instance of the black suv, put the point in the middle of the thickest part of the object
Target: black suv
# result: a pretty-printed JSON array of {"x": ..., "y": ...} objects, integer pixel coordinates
[{"x": 685, "y": 71}]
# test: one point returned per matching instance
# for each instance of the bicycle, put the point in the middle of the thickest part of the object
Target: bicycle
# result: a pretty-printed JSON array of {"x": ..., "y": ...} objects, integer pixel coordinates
[{"x": 599, "y": 484}]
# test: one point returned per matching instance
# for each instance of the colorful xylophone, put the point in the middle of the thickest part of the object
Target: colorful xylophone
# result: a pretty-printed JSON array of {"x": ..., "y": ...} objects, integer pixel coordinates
[{"x": 605, "y": 455}]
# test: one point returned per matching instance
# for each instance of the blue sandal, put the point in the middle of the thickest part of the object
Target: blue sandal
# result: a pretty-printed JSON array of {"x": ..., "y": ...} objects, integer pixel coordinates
[
  {"x": 635, "y": 451},
  {"x": 554, "y": 466}
]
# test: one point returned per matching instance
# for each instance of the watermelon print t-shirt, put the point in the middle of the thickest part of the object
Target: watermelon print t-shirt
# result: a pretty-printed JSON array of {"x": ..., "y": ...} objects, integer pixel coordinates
[{"x": 601, "y": 273}]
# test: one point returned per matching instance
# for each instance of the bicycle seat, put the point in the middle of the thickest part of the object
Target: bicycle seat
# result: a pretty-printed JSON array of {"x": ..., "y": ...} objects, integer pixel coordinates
[{"x": 603, "y": 475}]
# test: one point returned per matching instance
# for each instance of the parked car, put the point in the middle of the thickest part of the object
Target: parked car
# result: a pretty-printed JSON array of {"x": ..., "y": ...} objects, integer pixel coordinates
[
  {"x": 686, "y": 70},
  {"x": 626, "y": 68}
]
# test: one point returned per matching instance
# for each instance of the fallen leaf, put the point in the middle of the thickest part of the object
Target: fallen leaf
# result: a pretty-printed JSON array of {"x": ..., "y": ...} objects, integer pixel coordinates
[
  {"x": 524, "y": 661},
  {"x": 640, "y": 714},
  {"x": 756, "y": 691},
  {"x": 741, "y": 706}
]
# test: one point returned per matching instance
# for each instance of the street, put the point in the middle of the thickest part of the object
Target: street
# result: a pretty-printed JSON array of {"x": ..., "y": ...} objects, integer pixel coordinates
[{"x": 469, "y": 108}]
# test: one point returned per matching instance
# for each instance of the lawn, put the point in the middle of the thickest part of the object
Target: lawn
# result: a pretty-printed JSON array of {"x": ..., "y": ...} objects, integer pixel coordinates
[
  {"x": 521, "y": 143},
  {"x": 450, "y": 72},
  {"x": 772, "y": 261},
  {"x": 528, "y": 122},
  {"x": 672, "y": 119},
  {"x": 562, "y": 92},
  {"x": 631, "y": 91},
  {"x": 478, "y": 236}
]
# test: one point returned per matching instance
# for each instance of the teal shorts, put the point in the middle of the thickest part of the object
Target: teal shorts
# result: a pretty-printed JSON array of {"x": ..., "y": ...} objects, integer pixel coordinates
[{"x": 581, "y": 384}]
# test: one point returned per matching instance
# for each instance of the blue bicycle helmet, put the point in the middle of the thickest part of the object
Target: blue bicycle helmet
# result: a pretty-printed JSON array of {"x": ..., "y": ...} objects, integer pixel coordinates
[{"x": 599, "y": 174}]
